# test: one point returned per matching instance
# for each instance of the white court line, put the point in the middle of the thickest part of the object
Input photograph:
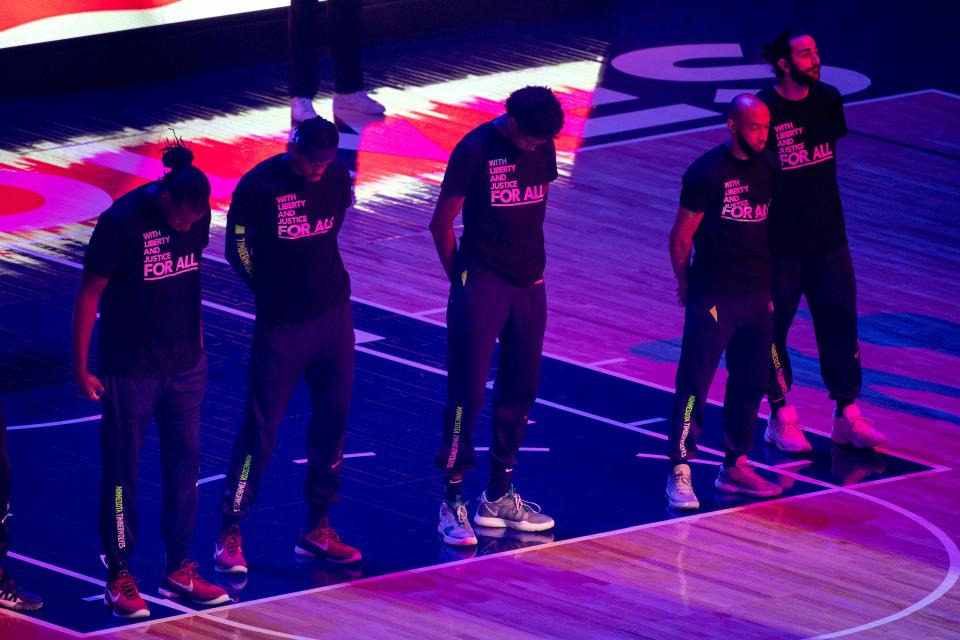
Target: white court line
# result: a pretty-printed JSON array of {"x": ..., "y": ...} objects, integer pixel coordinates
[
  {"x": 58, "y": 423},
  {"x": 41, "y": 623},
  {"x": 219, "y": 476},
  {"x": 945, "y": 93},
  {"x": 170, "y": 604},
  {"x": 531, "y": 449},
  {"x": 365, "y": 454},
  {"x": 948, "y": 544},
  {"x": 640, "y": 423},
  {"x": 430, "y": 311},
  {"x": 721, "y": 125},
  {"x": 600, "y": 363},
  {"x": 660, "y": 456},
  {"x": 99, "y": 596},
  {"x": 583, "y": 365},
  {"x": 792, "y": 464}
]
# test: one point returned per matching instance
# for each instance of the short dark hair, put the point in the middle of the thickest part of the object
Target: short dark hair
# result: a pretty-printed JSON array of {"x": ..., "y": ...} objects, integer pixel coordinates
[
  {"x": 185, "y": 183},
  {"x": 536, "y": 111},
  {"x": 780, "y": 49},
  {"x": 317, "y": 134}
]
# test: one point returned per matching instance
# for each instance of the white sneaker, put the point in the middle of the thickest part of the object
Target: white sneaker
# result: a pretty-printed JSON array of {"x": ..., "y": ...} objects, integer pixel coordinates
[
  {"x": 455, "y": 524},
  {"x": 679, "y": 492},
  {"x": 783, "y": 431},
  {"x": 301, "y": 109},
  {"x": 357, "y": 102},
  {"x": 852, "y": 428}
]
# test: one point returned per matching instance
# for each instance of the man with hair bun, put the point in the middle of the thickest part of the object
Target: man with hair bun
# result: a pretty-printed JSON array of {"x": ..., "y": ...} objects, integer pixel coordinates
[
  {"x": 282, "y": 240},
  {"x": 498, "y": 174},
  {"x": 724, "y": 205},
  {"x": 808, "y": 236},
  {"x": 142, "y": 266}
]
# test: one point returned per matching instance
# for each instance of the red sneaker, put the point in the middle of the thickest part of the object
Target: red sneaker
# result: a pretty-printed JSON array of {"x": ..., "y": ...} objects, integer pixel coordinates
[
  {"x": 324, "y": 543},
  {"x": 228, "y": 551},
  {"x": 187, "y": 583},
  {"x": 123, "y": 597}
]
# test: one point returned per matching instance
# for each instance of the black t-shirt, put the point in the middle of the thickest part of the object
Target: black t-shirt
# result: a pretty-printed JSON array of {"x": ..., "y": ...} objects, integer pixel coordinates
[
  {"x": 804, "y": 134},
  {"x": 150, "y": 323},
  {"x": 505, "y": 191},
  {"x": 731, "y": 245},
  {"x": 292, "y": 227}
]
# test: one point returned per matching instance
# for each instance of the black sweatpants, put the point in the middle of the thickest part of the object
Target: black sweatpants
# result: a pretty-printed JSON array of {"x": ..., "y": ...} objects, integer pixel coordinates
[
  {"x": 129, "y": 404},
  {"x": 830, "y": 287},
  {"x": 344, "y": 36},
  {"x": 4, "y": 489},
  {"x": 321, "y": 350},
  {"x": 741, "y": 325},
  {"x": 482, "y": 308}
]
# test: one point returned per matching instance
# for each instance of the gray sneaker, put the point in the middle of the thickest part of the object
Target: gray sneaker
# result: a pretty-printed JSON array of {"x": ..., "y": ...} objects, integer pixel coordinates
[
  {"x": 455, "y": 524},
  {"x": 679, "y": 491},
  {"x": 511, "y": 511},
  {"x": 741, "y": 478}
]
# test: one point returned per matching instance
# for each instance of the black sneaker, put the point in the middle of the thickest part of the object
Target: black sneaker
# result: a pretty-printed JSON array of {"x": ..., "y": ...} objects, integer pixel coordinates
[{"x": 13, "y": 597}]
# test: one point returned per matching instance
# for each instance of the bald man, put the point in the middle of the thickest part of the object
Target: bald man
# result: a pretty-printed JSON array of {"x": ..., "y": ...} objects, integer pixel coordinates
[{"x": 724, "y": 203}]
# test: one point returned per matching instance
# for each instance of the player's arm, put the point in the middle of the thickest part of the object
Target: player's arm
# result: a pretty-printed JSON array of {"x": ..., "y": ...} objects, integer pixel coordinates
[
  {"x": 681, "y": 246},
  {"x": 441, "y": 227},
  {"x": 84, "y": 317},
  {"x": 237, "y": 248}
]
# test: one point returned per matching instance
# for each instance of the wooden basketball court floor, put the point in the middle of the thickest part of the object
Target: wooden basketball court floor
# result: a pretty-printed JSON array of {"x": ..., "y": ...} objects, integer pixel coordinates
[{"x": 853, "y": 556}]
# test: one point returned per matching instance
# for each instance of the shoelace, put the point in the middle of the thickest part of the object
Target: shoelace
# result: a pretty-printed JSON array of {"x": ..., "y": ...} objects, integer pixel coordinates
[
  {"x": 232, "y": 544},
  {"x": 525, "y": 505},
  {"x": 682, "y": 479},
  {"x": 8, "y": 590},
  {"x": 191, "y": 570},
  {"x": 128, "y": 587},
  {"x": 328, "y": 533},
  {"x": 461, "y": 513}
]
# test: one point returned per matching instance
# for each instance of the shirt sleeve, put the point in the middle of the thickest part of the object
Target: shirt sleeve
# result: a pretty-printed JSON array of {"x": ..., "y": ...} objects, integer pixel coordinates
[
  {"x": 244, "y": 202},
  {"x": 462, "y": 168},
  {"x": 693, "y": 193},
  {"x": 552, "y": 173},
  {"x": 839, "y": 118},
  {"x": 106, "y": 248}
]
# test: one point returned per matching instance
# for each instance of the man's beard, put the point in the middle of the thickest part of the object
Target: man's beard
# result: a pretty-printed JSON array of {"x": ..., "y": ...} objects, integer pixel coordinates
[
  {"x": 802, "y": 78},
  {"x": 745, "y": 146}
]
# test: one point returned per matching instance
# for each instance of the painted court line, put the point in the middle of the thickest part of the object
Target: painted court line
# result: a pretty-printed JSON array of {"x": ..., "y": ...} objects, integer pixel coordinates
[
  {"x": 640, "y": 423},
  {"x": 365, "y": 454},
  {"x": 600, "y": 363},
  {"x": 531, "y": 449},
  {"x": 219, "y": 476},
  {"x": 672, "y": 134},
  {"x": 58, "y": 423},
  {"x": 170, "y": 604},
  {"x": 660, "y": 456},
  {"x": 423, "y": 367}
]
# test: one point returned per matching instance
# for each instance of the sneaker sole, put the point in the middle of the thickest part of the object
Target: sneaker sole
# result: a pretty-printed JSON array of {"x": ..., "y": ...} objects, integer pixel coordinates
[
  {"x": 21, "y": 607},
  {"x": 139, "y": 613},
  {"x": 458, "y": 542},
  {"x": 683, "y": 506},
  {"x": 300, "y": 551},
  {"x": 230, "y": 570},
  {"x": 756, "y": 493},
  {"x": 167, "y": 593},
  {"x": 774, "y": 442},
  {"x": 519, "y": 525}
]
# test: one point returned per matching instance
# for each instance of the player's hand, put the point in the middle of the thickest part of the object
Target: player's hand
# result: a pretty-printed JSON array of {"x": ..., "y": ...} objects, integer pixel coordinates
[
  {"x": 90, "y": 386},
  {"x": 682, "y": 293}
]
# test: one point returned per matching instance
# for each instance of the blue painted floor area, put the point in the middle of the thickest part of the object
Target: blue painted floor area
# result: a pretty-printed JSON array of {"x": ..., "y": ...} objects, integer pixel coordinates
[{"x": 589, "y": 477}]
